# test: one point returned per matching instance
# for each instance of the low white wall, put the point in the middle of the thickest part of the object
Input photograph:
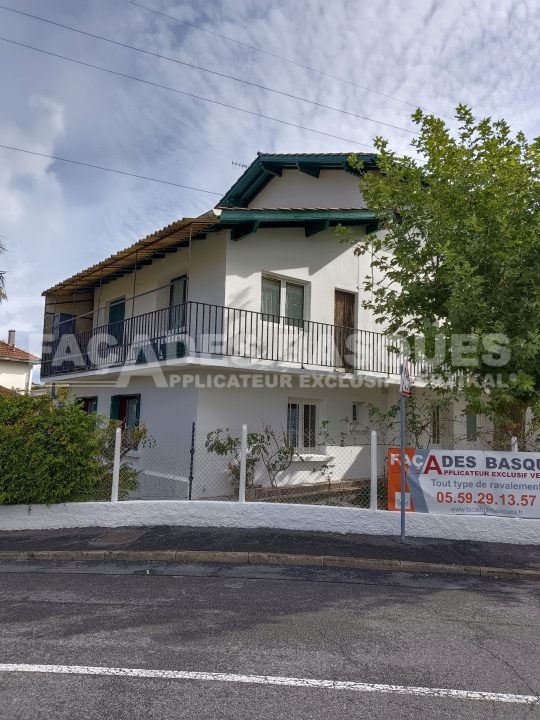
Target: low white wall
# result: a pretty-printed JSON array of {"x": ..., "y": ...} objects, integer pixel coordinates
[{"x": 267, "y": 515}]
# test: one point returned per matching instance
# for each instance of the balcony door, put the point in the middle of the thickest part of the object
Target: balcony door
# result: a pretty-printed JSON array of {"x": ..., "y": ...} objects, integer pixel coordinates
[
  {"x": 117, "y": 313},
  {"x": 344, "y": 321}
]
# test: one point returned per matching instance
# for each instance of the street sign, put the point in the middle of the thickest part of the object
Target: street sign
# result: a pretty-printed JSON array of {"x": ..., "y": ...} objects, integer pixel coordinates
[{"x": 405, "y": 386}]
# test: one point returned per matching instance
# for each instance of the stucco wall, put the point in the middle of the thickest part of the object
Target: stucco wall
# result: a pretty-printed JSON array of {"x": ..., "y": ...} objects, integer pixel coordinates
[
  {"x": 267, "y": 515},
  {"x": 13, "y": 375},
  {"x": 294, "y": 189},
  {"x": 321, "y": 262},
  {"x": 204, "y": 263}
]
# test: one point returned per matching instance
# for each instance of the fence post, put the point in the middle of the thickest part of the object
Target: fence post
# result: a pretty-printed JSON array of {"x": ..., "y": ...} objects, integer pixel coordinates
[
  {"x": 243, "y": 464},
  {"x": 116, "y": 465},
  {"x": 192, "y": 455},
  {"x": 374, "y": 473},
  {"x": 514, "y": 444}
]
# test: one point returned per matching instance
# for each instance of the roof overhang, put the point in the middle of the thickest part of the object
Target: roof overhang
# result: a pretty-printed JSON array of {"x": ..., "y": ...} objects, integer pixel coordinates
[
  {"x": 157, "y": 245},
  {"x": 244, "y": 222},
  {"x": 268, "y": 166}
]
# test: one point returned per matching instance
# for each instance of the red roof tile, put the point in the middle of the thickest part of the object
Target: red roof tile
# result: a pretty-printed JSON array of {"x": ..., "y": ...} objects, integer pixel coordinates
[{"x": 10, "y": 352}]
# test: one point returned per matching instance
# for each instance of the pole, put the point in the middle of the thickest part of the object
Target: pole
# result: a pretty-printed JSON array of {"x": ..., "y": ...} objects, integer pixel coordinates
[
  {"x": 403, "y": 418},
  {"x": 116, "y": 465},
  {"x": 243, "y": 464},
  {"x": 514, "y": 444},
  {"x": 373, "y": 493},
  {"x": 192, "y": 455}
]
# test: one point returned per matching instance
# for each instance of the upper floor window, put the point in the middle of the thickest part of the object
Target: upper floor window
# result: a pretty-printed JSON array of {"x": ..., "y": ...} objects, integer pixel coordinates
[
  {"x": 177, "y": 299},
  {"x": 63, "y": 324},
  {"x": 282, "y": 298},
  {"x": 117, "y": 313}
]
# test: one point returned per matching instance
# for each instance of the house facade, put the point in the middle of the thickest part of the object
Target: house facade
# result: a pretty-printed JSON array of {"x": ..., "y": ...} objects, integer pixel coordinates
[
  {"x": 251, "y": 313},
  {"x": 15, "y": 367}
]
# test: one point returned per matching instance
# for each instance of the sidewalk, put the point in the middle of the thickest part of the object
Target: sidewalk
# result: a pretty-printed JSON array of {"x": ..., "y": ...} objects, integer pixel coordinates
[{"x": 275, "y": 547}]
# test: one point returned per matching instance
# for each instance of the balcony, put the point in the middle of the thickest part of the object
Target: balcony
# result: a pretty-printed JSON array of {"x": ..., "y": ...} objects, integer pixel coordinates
[{"x": 199, "y": 330}]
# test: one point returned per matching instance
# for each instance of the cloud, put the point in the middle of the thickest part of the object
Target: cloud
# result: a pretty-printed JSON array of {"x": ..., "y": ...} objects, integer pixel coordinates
[{"x": 57, "y": 219}]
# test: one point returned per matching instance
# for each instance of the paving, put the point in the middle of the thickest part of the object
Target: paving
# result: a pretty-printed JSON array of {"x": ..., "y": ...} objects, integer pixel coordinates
[
  {"x": 77, "y": 639},
  {"x": 259, "y": 542}
]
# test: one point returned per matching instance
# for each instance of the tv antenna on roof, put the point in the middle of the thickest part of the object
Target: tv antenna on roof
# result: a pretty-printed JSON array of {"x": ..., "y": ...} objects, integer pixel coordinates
[{"x": 239, "y": 164}]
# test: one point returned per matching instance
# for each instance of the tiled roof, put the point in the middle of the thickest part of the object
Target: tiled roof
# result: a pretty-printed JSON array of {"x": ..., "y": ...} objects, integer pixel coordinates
[
  {"x": 10, "y": 352},
  {"x": 125, "y": 260}
]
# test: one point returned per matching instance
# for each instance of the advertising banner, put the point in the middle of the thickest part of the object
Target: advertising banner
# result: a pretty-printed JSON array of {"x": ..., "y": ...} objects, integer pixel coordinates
[{"x": 465, "y": 482}]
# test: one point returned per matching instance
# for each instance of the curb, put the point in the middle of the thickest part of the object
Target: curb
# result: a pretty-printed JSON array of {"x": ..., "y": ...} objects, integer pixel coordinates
[{"x": 262, "y": 558}]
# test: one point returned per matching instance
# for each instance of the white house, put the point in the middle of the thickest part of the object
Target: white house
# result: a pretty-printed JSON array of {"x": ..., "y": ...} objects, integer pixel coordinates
[
  {"x": 15, "y": 366},
  {"x": 251, "y": 313}
]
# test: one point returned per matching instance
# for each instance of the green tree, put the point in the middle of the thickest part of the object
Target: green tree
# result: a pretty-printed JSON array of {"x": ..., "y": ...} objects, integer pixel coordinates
[
  {"x": 460, "y": 255},
  {"x": 56, "y": 452}
]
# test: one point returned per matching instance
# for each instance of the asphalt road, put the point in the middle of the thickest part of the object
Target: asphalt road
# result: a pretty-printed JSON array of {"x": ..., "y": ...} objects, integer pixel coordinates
[{"x": 325, "y": 625}]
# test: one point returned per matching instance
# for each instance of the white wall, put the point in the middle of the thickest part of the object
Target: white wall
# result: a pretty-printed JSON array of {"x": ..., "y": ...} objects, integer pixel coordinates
[
  {"x": 321, "y": 262},
  {"x": 278, "y": 516},
  {"x": 14, "y": 375},
  {"x": 294, "y": 189},
  {"x": 204, "y": 264}
]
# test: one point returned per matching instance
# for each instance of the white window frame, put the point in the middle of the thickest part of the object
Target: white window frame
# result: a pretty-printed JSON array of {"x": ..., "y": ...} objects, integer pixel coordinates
[
  {"x": 284, "y": 281},
  {"x": 302, "y": 402}
]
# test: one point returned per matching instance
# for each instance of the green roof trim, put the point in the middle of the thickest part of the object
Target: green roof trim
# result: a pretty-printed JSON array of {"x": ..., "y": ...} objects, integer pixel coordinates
[
  {"x": 267, "y": 166},
  {"x": 292, "y": 216},
  {"x": 247, "y": 222}
]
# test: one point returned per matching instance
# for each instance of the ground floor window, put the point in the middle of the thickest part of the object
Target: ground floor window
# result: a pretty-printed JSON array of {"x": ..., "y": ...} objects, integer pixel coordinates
[
  {"x": 89, "y": 404},
  {"x": 126, "y": 408},
  {"x": 302, "y": 424}
]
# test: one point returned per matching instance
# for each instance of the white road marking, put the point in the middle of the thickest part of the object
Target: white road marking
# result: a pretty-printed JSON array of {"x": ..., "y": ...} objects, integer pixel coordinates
[{"x": 273, "y": 680}]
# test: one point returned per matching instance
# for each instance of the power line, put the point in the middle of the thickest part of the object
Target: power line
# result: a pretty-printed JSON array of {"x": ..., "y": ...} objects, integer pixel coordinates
[
  {"x": 207, "y": 70},
  {"x": 281, "y": 57},
  {"x": 107, "y": 169},
  {"x": 182, "y": 92}
]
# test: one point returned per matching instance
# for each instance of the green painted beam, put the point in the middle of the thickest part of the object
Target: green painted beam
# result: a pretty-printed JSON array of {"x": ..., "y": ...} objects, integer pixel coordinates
[
  {"x": 244, "y": 229},
  {"x": 301, "y": 216},
  {"x": 309, "y": 169},
  {"x": 271, "y": 169},
  {"x": 316, "y": 226}
]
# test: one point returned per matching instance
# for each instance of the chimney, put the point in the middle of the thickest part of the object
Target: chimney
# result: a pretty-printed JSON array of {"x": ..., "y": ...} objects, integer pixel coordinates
[{"x": 11, "y": 338}]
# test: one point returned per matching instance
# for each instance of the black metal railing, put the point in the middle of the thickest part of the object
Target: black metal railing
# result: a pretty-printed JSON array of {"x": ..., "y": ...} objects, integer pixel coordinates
[{"x": 199, "y": 329}]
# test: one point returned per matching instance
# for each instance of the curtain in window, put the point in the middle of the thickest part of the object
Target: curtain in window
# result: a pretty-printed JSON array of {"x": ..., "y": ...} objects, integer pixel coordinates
[
  {"x": 271, "y": 290},
  {"x": 294, "y": 301}
]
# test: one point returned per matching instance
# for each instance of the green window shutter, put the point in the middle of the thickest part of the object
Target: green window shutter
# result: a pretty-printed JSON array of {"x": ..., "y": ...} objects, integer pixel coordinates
[{"x": 115, "y": 407}]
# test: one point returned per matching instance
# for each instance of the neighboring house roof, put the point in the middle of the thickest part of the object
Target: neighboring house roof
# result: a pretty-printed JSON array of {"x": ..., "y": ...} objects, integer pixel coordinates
[
  {"x": 10, "y": 352},
  {"x": 6, "y": 392},
  {"x": 141, "y": 253},
  {"x": 267, "y": 166}
]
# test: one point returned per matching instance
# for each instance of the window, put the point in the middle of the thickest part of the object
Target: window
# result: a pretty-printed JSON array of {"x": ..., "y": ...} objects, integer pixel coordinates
[
  {"x": 89, "y": 404},
  {"x": 359, "y": 413},
  {"x": 126, "y": 408},
  {"x": 177, "y": 299},
  {"x": 282, "y": 298},
  {"x": 117, "y": 312},
  {"x": 436, "y": 426},
  {"x": 302, "y": 424},
  {"x": 472, "y": 428},
  {"x": 63, "y": 324}
]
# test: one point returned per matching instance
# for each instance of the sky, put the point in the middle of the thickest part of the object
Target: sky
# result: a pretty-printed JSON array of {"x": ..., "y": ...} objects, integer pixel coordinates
[{"x": 386, "y": 57}]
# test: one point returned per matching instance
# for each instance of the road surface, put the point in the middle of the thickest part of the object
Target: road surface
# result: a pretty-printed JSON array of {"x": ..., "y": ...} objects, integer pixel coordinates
[{"x": 156, "y": 641}]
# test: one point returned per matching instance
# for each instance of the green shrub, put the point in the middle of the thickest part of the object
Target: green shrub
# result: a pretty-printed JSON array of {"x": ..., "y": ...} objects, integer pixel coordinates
[{"x": 56, "y": 452}]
